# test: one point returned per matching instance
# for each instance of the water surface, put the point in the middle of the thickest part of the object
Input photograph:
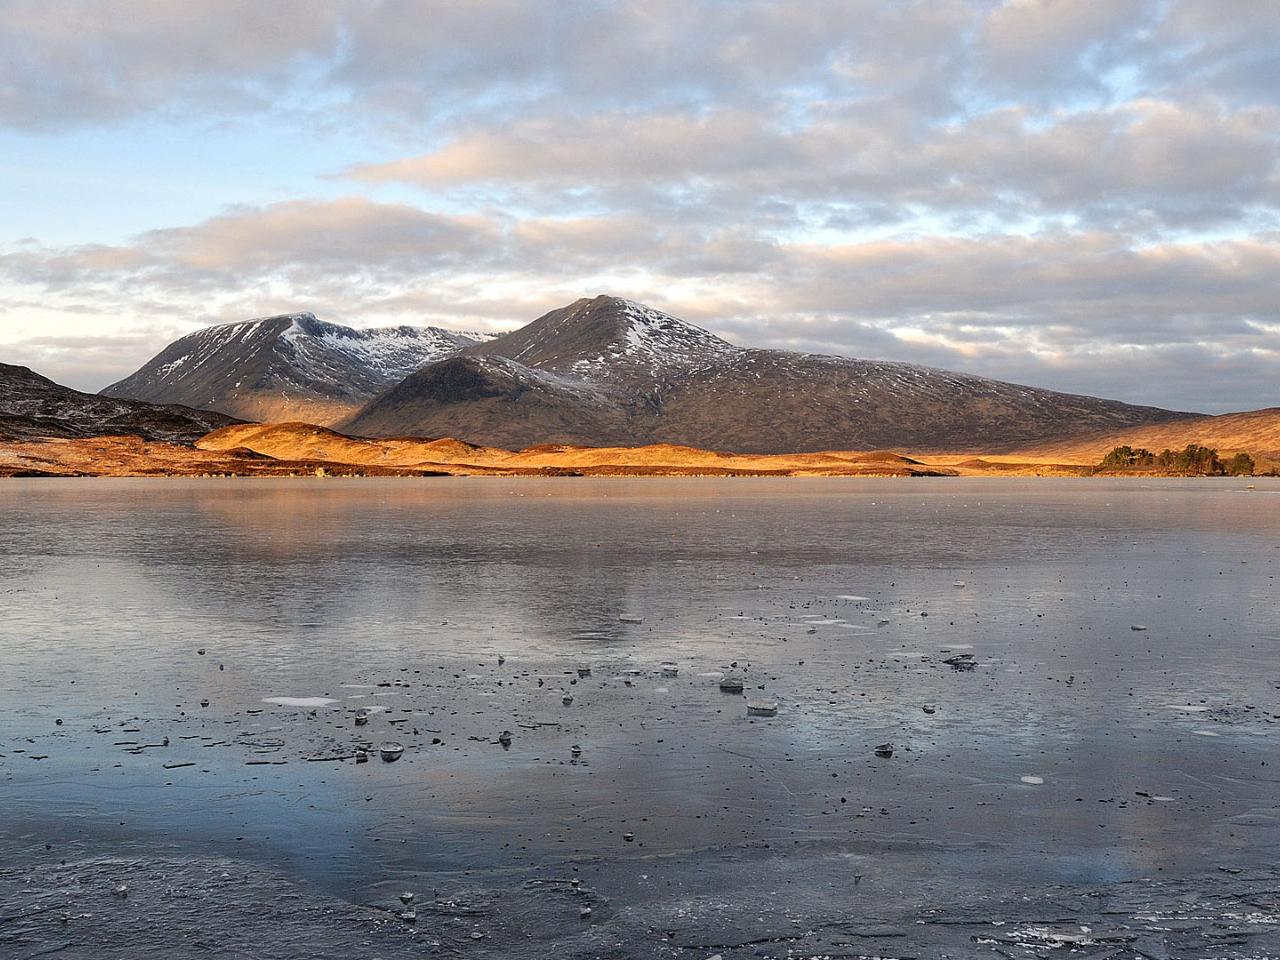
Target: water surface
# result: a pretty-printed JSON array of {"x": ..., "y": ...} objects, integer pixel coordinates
[{"x": 248, "y": 620}]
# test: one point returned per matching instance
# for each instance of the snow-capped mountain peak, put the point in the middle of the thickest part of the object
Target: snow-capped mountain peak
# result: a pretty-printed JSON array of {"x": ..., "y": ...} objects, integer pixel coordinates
[
  {"x": 607, "y": 338},
  {"x": 288, "y": 366}
]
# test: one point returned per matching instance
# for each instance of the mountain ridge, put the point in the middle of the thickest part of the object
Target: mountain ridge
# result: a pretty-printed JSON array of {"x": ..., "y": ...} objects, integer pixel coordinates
[
  {"x": 286, "y": 366},
  {"x": 609, "y": 371}
]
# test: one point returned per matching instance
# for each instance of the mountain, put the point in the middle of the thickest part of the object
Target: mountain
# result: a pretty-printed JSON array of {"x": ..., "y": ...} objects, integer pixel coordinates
[
  {"x": 289, "y": 367},
  {"x": 607, "y": 371},
  {"x": 34, "y": 407}
]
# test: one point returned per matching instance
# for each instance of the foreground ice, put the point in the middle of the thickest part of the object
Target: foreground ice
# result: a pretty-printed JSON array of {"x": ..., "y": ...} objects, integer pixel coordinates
[{"x": 226, "y": 909}]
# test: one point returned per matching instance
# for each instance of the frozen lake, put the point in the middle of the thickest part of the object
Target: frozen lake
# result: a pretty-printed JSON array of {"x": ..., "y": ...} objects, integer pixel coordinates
[{"x": 188, "y": 670}]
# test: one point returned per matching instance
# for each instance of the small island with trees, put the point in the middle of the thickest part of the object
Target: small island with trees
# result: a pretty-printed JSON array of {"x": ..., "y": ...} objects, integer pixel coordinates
[{"x": 1192, "y": 461}]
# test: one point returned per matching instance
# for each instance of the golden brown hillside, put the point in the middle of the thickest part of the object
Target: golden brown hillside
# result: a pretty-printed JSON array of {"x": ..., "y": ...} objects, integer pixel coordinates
[
  {"x": 303, "y": 449},
  {"x": 1256, "y": 432},
  {"x": 302, "y": 441}
]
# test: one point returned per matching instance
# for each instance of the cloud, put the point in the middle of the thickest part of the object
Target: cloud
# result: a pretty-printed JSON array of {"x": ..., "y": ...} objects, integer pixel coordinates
[
  {"x": 1109, "y": 289},
  {"x": 65, "y": 64},
  {"x": 329, "y": 237},
  {"x": 611, "y": 147},
  {"x": 349, "y": 237},
  {"x": 423, "y": 63},
  {"x": 87, "y": 362},
  {"x": 843, "y": 113},
  {"x": 1220, "y": 48},
  {"x": 1036, "y": 45},
  {"x": 1144, "y": 160}
]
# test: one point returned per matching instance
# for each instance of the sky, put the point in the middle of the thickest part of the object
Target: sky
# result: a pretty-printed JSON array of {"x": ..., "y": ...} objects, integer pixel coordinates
[{"x": 1074, "y": 194}]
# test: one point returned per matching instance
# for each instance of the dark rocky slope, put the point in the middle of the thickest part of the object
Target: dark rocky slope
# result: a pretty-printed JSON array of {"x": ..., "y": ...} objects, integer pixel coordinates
[{"x": 34, "y": 407}]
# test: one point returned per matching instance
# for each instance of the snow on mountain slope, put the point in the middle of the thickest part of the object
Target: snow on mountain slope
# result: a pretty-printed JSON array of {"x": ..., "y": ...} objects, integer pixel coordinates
[
  {"x": 608, "y": 339},
  {"x": 394, "y": 352},
  {"x": 291, "y": 366}
]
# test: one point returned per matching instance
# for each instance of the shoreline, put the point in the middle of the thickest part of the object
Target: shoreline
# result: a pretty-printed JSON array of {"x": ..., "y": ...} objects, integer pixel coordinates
[{"x": 621, "y": 475}]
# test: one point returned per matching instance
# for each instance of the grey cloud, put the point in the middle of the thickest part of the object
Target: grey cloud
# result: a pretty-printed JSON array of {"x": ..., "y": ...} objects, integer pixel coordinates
[
  {"x": 329, "y": 236},
  {"x": 1073, "y": 272},
  {"x": 64, "y": 63},
  {"x": 67, "y": 64},
  {"x": 420, "y": 63},
  {"x": 1038, "y": 45},
  {"x": 87, "y": 362},
  {"x": 1223, "y": 48},
  {"x": 348, "y": 237},
  {"x": 1186, "y": 163},
  {"x": 831, "y": 111},
  {"x": 1180, "y": 164},
  {"x": 582, "y": 56}
]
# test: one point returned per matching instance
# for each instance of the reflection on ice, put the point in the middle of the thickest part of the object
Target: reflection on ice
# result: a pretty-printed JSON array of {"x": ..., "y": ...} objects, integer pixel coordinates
[
  {"x": 299, "y": 701},
  {"x": 790, "y": 817}
]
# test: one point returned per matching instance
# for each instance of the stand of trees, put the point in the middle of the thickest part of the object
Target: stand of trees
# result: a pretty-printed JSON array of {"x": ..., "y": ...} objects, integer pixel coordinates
[{"x": 1194, "y": 460}]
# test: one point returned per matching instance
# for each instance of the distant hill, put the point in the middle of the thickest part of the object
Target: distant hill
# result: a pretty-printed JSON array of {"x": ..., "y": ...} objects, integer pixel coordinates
[
  {"x": 289, "y": 367},
  {"x": 1256, "y": 432},
  {"x": 607, "y": 371},
  {"x": 34, "y": 407}
]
